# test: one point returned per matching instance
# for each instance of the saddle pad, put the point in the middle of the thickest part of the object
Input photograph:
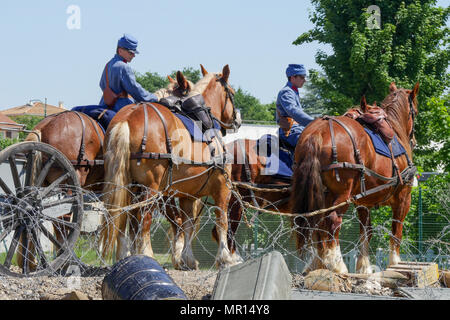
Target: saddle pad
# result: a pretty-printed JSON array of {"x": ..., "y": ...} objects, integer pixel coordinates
[
  {"x": 94, "y": 112},
  {"x": 382, "y": 148},
  {"x": 196, "y": 132},
  {"x": 278, "y": 165}
]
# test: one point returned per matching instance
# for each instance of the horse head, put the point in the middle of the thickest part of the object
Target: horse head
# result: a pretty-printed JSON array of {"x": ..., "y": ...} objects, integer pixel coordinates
[
  {"x": 219, "y": 96},
  {"x": 401, "y": 107},
  {"x": 178, "y": 88},
  {"x": 182, "y": 86}
]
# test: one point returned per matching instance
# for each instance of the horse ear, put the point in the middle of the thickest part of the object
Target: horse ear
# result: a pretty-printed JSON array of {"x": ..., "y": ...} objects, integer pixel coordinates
[
  {"x": 392, "y": 87},
  {"x": 181, "y": 79},
  {"x": 226, "y": 73},
  {"x": 415, "y": 91},
  {"x": 204, "y": 72},
  {"x": 363, "y": 104},
  {"x": 171, "y": 80}
]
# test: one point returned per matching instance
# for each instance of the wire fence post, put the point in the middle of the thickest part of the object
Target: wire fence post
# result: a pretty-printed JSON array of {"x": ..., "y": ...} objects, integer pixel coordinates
[
  {"x": 255, "y": 236},
  {"x": 420, "y": 220}
]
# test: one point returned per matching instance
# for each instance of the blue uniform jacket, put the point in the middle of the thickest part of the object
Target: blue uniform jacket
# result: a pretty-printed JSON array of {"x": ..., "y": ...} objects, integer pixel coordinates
[
  {"x": 288, "y": 104},
  {"x": 121, "y": 77}
]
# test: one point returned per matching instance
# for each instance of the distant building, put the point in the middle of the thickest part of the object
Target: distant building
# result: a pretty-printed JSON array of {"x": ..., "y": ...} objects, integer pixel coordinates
[
  {"x": 7, "y": 127},
  {"x": 251, "y": 131},
  {"x": 34, "y": 109}
]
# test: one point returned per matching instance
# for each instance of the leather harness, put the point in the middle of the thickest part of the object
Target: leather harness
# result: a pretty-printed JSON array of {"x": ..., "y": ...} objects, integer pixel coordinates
[
  {"x": 217, "y": 162},
  {"x": 81, "y": 160},
  {"x": 399, "y": 178}
]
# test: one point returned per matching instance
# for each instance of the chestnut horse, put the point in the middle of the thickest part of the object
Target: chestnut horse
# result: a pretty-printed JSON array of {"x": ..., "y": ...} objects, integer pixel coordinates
[
  {"x": 80, "y": 139},
  {"x": 249, "y": 167},
  {"x": 316, "y": 185},
  {"x": 86, "y": 144},
  {"x": 150, "y": 164}
]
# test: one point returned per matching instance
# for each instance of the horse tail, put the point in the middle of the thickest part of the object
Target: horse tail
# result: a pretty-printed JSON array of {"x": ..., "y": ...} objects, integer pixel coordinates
[
  {"x": 115, "y": 192},
  {"x": 308, "y": 190}
]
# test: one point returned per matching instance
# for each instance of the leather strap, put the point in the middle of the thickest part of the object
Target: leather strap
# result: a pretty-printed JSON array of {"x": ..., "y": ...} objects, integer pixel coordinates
[
  {"x": 94, "y": 124},
  {"x": 333, "y": 149},
  {"x": 81, "y": 154},
  {"x": 123, "y": 94}
]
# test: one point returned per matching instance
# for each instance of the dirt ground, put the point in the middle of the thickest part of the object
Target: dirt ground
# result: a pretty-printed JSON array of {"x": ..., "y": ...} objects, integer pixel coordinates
[{"x": 196, "y": 285}]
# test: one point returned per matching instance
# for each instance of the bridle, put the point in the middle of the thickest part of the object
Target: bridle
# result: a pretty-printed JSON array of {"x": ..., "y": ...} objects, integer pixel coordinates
[
  {"x": 412, "y": 115},
  {"x": 230, "y": 96}
]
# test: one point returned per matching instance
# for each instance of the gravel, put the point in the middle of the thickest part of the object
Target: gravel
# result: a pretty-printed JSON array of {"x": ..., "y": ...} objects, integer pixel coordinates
[{"x": 197, "y": 285}]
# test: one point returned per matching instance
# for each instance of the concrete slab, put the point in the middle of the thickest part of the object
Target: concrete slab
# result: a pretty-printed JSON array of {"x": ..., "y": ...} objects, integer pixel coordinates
[
  {"x": 426, "y": 293},
  {"x": 301, "y": 294},
  {"x": 263, "y": 278}
]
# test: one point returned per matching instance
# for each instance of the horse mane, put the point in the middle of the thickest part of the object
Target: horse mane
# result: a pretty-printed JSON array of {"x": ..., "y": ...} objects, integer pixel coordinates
[
  {"x": 165, "y": 92},
  {"x": 202, "y": 84},
  {"x": 398, "y": 116}
]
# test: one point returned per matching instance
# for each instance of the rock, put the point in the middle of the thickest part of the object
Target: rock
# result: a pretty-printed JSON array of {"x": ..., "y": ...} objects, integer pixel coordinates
[
  {"x": 444, "y": 277},
  {"x": 326, "y": 280},
  {"x": 390, "y": 279},
  {"x": 49, "y": 296},
  {"x": 75, "y": 295}
]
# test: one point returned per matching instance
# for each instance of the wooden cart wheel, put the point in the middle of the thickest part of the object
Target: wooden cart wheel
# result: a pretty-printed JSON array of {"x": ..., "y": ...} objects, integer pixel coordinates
[{"x": 41, "y": 209}]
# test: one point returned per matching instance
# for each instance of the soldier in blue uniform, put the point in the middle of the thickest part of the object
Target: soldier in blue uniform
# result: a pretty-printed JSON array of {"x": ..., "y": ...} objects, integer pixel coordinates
[
  {"x": 122, "y": 81},
  {"x": 290, "y": 115}
]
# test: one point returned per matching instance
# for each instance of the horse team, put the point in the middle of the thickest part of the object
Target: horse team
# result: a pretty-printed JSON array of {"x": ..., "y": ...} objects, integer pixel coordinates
[{"x": 138, "y": 148}]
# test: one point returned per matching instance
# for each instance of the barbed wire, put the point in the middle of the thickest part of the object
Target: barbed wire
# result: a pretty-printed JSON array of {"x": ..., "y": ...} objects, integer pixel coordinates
[{"x": 266, "y": 233}]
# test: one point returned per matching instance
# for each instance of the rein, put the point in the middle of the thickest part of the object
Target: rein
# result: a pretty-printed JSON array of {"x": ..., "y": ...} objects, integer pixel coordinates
[
  {"x": 412, "y": 114},
  {"x": 233, "y": 125}
]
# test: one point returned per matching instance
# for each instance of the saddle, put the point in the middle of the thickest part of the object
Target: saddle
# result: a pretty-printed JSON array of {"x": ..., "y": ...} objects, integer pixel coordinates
[
  {"x": 374, "y": 118},
  {"x": 193, "y": 107}
]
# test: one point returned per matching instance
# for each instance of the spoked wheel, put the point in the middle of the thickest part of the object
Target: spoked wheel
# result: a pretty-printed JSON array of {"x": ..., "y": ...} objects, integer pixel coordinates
[{"x": 41, "y": 209}]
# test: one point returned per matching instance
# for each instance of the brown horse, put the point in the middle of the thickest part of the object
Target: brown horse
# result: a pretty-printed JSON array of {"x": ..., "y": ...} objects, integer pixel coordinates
[
  {"x": 86, "y": 136},
  {"x": 80, "y": 139},
  {"x": 249, "y": 166},
  {"x": 317, "y": 186},
  {"x": 151, "y": 164}
]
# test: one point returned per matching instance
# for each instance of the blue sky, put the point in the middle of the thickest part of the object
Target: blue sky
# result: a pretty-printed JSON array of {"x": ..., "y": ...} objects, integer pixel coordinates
[{"x": 42, "y": 58}]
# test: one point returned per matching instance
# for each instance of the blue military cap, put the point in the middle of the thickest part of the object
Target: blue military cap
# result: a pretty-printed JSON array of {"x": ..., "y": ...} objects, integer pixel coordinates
[
  {"x": 128, "y": 42},
  {"x": 295, "y": 69}
]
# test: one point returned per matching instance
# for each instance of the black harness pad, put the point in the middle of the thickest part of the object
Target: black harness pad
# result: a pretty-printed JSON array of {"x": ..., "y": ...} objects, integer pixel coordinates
[
  {"x": 196, "y": 109},
  {"x": 172, "y": 103}
]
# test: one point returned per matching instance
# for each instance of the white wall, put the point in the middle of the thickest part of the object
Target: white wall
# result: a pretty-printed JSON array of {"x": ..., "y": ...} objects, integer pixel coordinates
[{"x": 251, "y": 131}]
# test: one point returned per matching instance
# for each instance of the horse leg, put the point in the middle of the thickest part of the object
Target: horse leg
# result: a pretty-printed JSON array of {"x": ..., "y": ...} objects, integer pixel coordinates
[
  {"x": 365, "y": 234},
  {"x": 140, "y": 223},
  {"x": 221, "y": 200},
  {"x": 400, "y": 207},
  {"x": 328, "y": 247},
  {"x": 188, "y": 207},
  {"x": 235, "y": 220},
  {"x": 235, "y": 216},
  {"x": 174, "y": 217}
]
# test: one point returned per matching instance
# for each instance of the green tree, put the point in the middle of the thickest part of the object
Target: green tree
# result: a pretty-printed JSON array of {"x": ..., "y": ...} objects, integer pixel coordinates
[
  {"x": 29, "y": 121},
  {"x": 312, "y": 101},
  {"x": 190, "y": 73},
  {"x": 152, "y": 81},
  {"x": 411, "y": 45},
  {"x": 251, "y": 108}
]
